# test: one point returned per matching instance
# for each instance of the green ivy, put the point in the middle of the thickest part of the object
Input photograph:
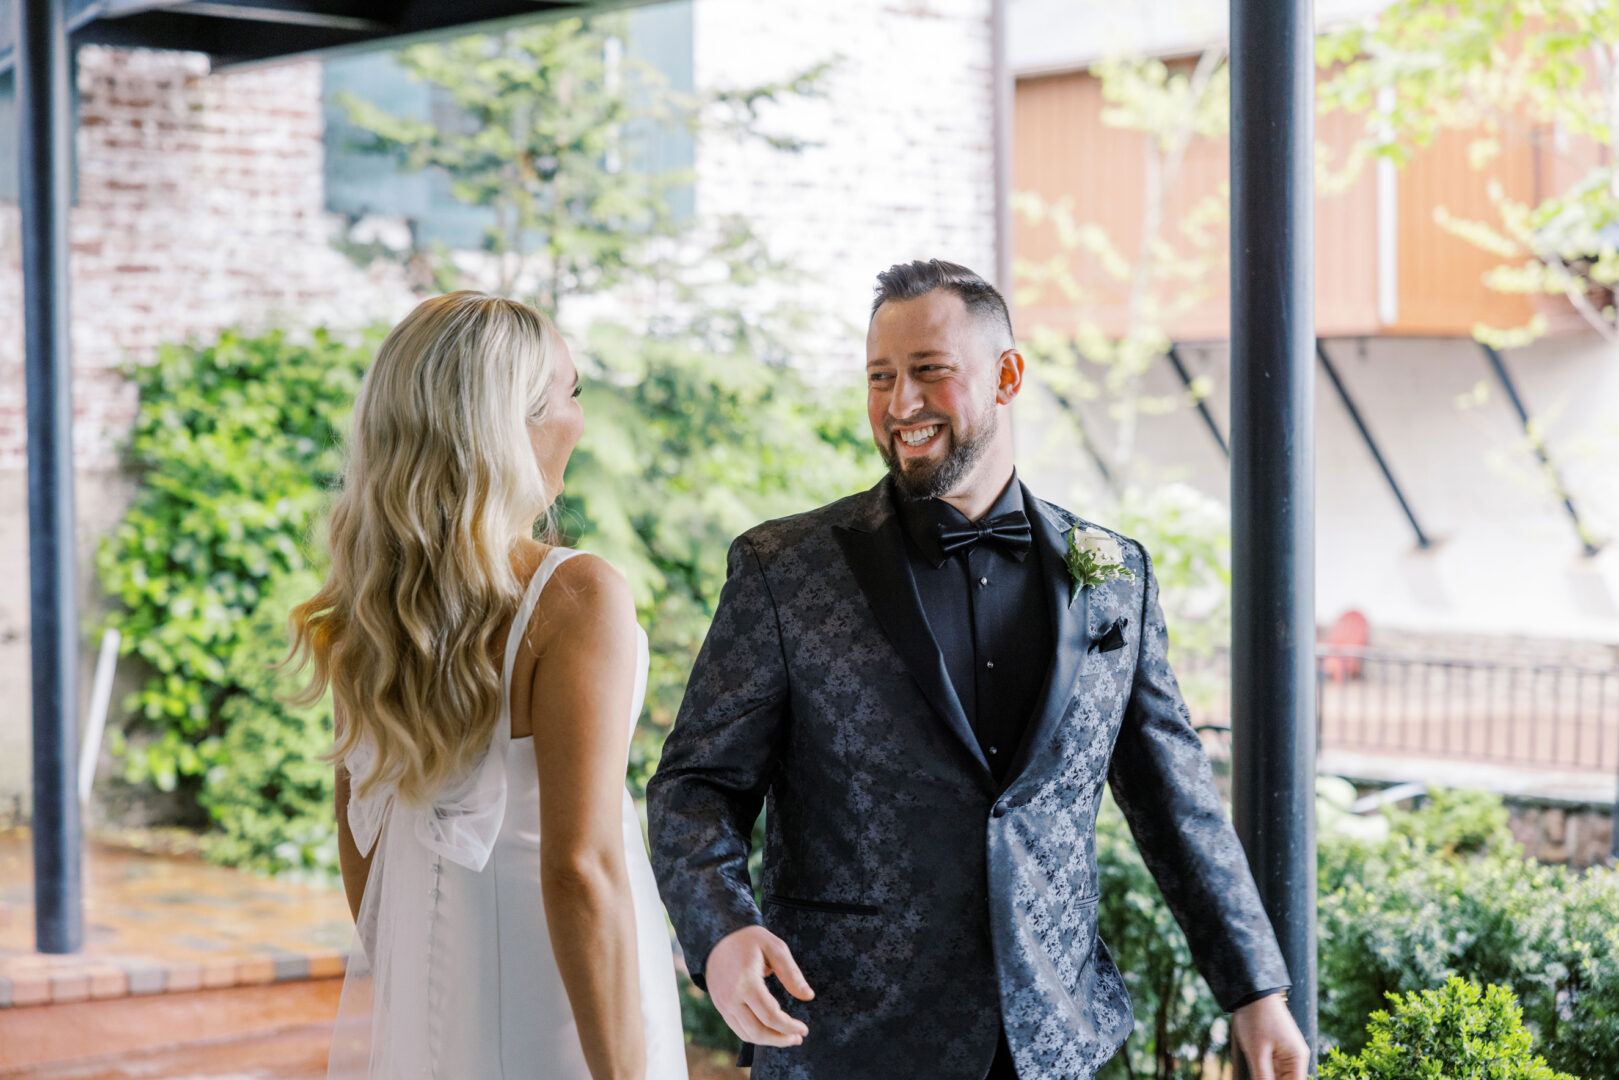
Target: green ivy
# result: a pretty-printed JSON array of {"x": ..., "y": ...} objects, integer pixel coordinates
[
  {"x": 269, "y": 794},
  {"x": 234, "y": 447}
]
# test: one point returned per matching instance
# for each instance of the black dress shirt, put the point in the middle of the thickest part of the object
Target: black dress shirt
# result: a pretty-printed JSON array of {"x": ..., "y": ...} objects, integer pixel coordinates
[{"x": 987, "y": 609}]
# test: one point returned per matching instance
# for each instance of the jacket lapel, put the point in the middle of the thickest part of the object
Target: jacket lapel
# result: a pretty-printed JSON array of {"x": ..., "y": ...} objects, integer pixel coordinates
[
  {"x": 874, "y": 548},
  {"x": 1069, "y": 622}
]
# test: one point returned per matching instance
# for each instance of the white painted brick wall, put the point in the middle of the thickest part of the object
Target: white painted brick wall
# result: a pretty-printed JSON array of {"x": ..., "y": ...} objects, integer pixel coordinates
[
  {"x": 905, "y": 165},
  {"x": 200, "y": 205}
]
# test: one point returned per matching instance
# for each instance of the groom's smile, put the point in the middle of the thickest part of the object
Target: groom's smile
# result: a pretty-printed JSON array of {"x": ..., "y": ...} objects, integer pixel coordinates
[
  {"x": 920, "y": 441},
  {"x": 919, "y": 436}
]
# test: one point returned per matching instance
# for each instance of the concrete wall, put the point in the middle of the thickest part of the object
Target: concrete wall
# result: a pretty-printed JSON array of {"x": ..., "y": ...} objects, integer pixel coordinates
[{"x": 1505, "y": 558}]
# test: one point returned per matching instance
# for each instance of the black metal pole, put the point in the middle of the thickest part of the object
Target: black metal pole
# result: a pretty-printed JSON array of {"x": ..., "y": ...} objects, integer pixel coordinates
[
  {"x": 1085, "y": 440},
  {"x": 1499, "y": 366},
  {"x": 1272, "y": 471},
  {"x": 1371, "y": 444},
  {"x": 1613, "y": 830},
  {"x": 43, "y": 197}
]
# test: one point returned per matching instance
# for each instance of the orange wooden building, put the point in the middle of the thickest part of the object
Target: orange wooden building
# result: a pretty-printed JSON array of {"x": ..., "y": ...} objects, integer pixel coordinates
[{"x": 1383, "y": 265}]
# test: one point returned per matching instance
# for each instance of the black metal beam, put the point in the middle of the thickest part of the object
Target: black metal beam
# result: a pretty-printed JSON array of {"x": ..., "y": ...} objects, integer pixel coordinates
[
  {"x": 224, "y": 28},
  {"x": 226, "y": 41},
  {"x": 1086, "y": 442},
  {"x": 1366, "y": 437},
  {"x": 1085, "y": 439},
  {"x": 1273, "y": 674},
  {"x": 43, "y": 142},
  {"x": 286, "y": 13},
  {"x": 1174, "y": 358},
  {"x": 1498, "y": 365}
]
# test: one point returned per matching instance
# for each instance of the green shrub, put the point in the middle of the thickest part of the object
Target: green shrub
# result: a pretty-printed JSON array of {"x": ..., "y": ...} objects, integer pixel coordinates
[
  {"x": 1408, "y": 918},
  {"x": 1457, "y": 822},
  {"x": 1577, "y": 1013},
  {"x": 1456, "y": 1032},
  {"x": 1408, "y": 914},
  {"x": 1446, "y": 892}
]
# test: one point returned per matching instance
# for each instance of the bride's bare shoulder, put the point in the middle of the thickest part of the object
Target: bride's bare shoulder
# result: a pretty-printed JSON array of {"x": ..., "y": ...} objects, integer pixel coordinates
[{"x": 586, "y": 590}]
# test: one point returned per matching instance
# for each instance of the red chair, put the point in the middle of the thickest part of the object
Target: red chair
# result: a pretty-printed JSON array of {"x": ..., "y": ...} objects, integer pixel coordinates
[{"x": 1351, "y": 631}]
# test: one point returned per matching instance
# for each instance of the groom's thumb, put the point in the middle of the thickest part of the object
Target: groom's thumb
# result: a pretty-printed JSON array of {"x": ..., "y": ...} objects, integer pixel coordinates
[{"x": 786, "y": 969}]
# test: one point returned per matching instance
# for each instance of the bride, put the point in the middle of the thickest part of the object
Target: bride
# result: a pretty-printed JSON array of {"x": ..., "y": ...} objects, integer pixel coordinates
[{"x": 485, "y": 686}]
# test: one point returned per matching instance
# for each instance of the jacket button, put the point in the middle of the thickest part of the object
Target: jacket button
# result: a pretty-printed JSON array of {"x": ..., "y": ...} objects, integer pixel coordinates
[{"x": 997, "y": 810}]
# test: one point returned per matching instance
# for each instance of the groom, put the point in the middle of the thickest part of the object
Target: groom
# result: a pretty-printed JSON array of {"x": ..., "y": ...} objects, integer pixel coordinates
[{"x": 928, "y": 703}]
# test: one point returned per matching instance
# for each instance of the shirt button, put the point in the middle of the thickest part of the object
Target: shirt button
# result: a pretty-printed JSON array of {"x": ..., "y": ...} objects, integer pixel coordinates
[
  {"x": 989, "y": 663},
  {"x": 983, "y": 581},
  {"x": 992, "y": 750}
]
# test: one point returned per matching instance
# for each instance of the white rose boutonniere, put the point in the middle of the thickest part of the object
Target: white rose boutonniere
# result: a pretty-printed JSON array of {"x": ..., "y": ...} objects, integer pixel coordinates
[{"x": 1093, "y": 557}]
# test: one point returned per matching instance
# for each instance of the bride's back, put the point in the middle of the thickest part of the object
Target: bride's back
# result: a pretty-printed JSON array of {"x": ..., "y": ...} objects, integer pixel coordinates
[{"x": 466, "y": 978}]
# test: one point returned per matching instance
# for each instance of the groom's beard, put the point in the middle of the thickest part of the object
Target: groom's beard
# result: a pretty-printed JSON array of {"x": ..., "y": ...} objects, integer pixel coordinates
[{"x": 920, "y": 478}]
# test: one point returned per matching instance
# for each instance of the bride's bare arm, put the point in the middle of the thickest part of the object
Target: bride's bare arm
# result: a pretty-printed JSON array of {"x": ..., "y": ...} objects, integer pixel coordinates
[{"x": 584, "y": 685}]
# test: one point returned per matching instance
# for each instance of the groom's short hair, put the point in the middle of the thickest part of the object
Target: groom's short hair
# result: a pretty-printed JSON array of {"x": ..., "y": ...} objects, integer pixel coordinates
[{"x": 907, "y": 281}]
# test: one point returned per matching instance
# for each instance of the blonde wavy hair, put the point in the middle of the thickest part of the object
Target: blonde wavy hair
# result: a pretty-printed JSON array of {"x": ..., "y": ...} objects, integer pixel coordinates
[{"x": 439, "y": 485}]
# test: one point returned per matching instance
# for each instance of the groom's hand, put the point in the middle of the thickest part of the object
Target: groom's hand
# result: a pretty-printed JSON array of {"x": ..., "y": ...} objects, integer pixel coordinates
[
  {"x": 1269, "y": 1040},
  {"x": 736, "y": 971}
]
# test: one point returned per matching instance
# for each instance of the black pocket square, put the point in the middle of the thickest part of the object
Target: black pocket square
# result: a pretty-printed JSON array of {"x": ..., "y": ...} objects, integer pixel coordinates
[{"x": 1112, "y": 636}]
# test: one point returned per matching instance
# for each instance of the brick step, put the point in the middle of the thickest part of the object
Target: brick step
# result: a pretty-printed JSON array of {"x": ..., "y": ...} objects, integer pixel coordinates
[{"x": 89, "y": 1034}]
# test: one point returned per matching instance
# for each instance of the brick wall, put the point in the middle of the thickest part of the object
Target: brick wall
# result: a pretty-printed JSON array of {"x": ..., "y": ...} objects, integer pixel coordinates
[{"x": 199, "y": 205}]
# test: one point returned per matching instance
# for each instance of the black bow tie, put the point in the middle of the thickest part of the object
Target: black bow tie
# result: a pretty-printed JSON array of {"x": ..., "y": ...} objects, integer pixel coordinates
[{"x": 1010, "y": 530}]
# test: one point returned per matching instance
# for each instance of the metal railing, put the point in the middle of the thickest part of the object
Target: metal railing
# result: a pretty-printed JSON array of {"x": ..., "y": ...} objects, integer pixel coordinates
[{"x": 1541, "y": 716}]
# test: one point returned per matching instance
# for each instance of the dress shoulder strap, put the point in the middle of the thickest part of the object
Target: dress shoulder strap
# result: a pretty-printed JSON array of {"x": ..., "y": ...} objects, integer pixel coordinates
[{"x": 525, "y": 611}]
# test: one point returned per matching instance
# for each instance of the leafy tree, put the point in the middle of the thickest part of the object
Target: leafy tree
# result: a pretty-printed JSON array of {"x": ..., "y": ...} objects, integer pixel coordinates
[
  {"x": 545, "y": 126},
  {"x": 1167, "y": 275}
]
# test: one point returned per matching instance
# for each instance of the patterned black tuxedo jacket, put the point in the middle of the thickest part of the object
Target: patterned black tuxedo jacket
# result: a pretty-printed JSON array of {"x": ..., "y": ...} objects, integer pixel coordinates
[{"x": 923, "y": 901}]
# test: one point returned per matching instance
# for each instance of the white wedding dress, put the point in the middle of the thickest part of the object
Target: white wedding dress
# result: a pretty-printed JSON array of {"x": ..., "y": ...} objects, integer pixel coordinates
[{"x": 451, "y": 974}]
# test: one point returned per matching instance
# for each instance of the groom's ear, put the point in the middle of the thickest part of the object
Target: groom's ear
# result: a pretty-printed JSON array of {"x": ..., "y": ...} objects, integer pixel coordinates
[{"x": 1009, "y": 379}]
